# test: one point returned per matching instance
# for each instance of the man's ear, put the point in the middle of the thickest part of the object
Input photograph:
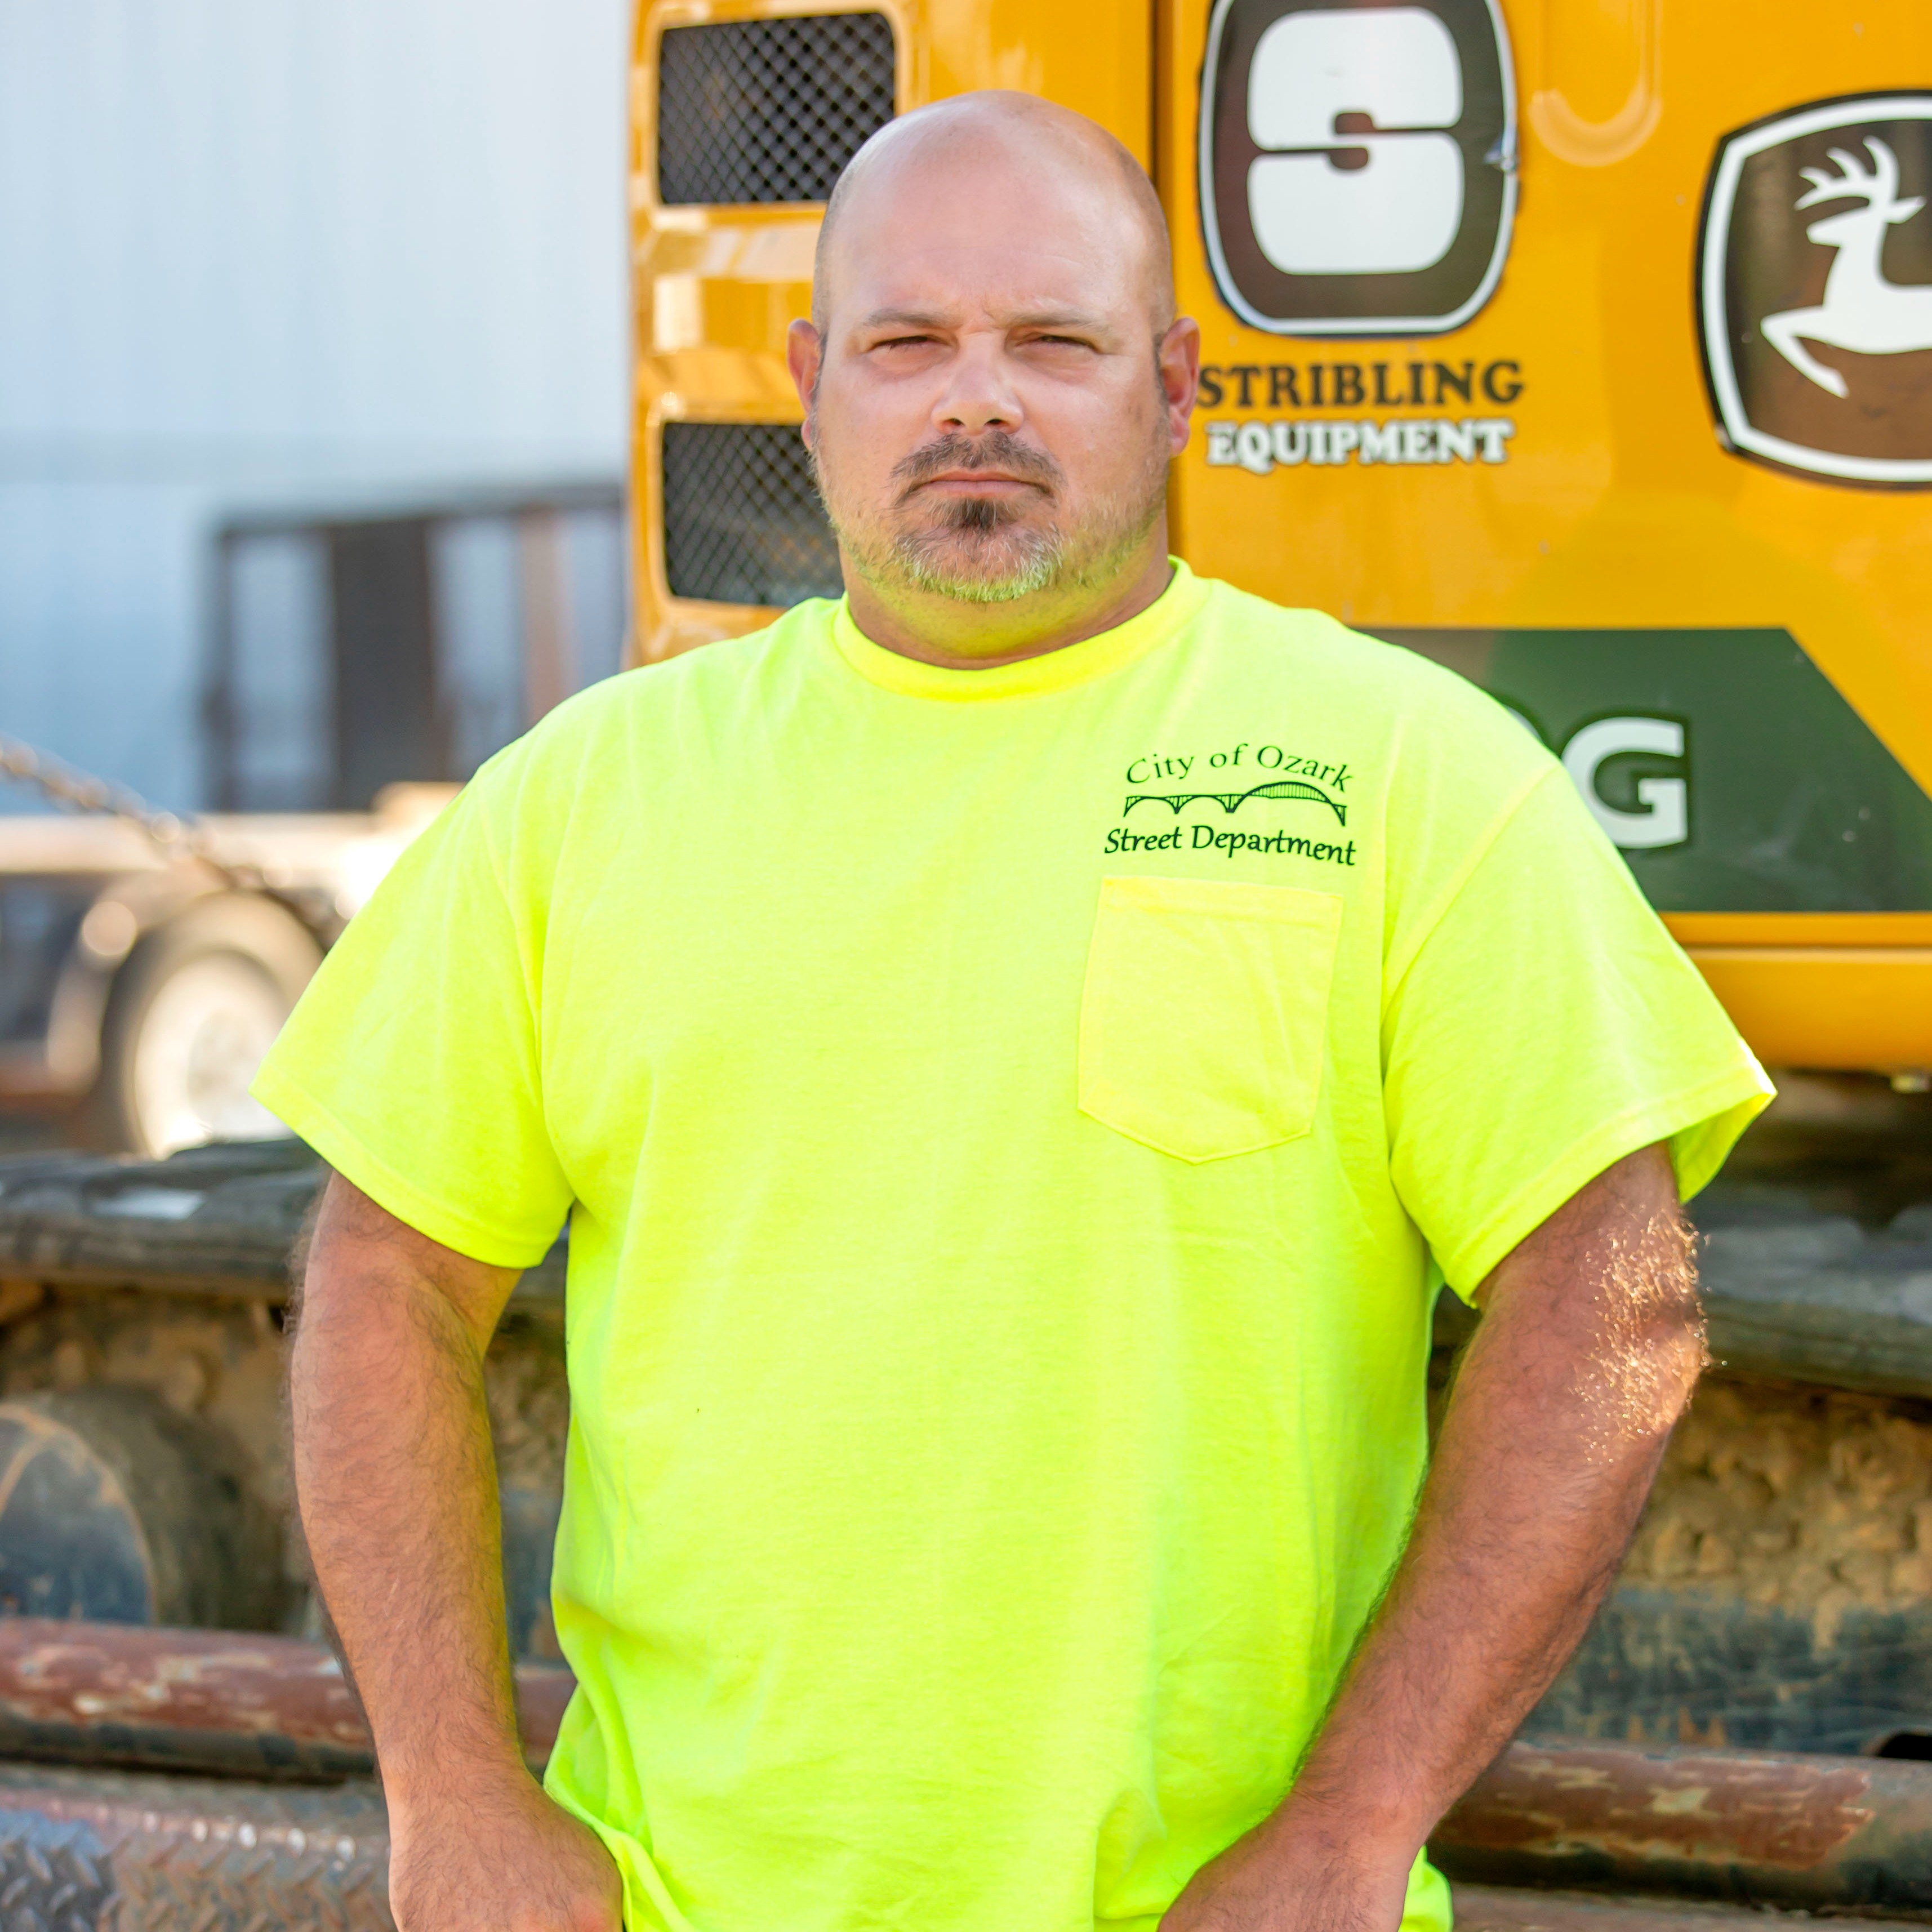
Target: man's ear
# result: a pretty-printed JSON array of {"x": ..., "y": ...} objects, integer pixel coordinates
[
  {"x": 803, "y": 350},
  {"x": 1179, "y": 354}
]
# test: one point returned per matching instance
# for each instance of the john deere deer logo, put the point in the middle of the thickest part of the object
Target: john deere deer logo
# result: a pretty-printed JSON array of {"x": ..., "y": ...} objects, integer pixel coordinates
[
  {"x": 1861, "y": 311},
  {"x": 1817, "y": 332}
]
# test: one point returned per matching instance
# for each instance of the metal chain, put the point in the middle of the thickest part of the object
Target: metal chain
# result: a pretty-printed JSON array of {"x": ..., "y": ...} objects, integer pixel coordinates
[{"x": 81, "y": 791}]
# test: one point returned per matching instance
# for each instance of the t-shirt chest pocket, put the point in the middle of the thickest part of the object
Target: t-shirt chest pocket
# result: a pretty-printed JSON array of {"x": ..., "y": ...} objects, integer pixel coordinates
[{"x": 1205, "y": 1014}]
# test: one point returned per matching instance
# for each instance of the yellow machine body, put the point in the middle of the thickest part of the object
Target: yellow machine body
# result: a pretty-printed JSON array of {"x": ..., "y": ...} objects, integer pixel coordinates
[{"x": 1586, "y": 473}]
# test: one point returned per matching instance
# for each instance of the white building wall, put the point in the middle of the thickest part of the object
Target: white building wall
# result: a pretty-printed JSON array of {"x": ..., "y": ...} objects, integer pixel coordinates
[{"x": 275, "y": 253}]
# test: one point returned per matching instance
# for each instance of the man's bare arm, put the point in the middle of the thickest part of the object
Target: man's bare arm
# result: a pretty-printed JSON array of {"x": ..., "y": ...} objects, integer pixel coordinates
[
  {"x": 1590, "y": 1344},
  {"x": 397, "y": 1483}
]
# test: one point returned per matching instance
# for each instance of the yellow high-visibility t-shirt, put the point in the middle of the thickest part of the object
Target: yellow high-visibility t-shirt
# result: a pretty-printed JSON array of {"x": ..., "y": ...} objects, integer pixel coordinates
[{"x": 1005, "y": 1119}]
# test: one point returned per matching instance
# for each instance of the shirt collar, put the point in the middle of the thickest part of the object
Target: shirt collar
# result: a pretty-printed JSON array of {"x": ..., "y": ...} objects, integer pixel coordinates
[{"x": 1051, "y": 670}]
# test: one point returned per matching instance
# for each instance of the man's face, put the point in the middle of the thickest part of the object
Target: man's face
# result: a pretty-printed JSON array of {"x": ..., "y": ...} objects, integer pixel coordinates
[{"x": 987, "y": 407}]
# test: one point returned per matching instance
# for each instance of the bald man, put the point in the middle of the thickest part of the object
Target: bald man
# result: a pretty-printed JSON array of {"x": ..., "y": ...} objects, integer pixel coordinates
[{"x": 1019, "y": 1049}]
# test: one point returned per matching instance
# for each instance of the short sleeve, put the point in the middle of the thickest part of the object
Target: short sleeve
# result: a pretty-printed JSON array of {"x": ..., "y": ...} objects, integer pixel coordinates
[
  {"x": 1545, "y": 1025},
  {"x": 411, "y": 1064}
]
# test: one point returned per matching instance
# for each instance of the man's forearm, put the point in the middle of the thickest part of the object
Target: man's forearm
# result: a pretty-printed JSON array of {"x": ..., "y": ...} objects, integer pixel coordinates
[
  {"x": 1590, "y": 1344},
  {"x": 398, "y": 1485},
  {"x": 396, "y": 1480},
  {"x": 1556, "y": 1422}
]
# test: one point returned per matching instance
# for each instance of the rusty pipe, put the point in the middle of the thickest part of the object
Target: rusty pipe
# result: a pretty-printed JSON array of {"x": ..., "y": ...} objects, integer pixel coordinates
[
  {"x": 1752, "y": 1827},
  {"x": 233, "y": 1701}
]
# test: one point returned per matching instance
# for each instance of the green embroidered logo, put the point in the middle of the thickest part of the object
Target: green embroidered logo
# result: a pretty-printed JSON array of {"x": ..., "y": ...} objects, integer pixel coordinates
[{"x": 1231, "y": 801}]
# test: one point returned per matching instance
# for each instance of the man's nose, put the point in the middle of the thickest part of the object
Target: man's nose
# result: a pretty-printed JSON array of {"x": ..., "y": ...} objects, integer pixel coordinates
[{"x": 978, "y": 394}]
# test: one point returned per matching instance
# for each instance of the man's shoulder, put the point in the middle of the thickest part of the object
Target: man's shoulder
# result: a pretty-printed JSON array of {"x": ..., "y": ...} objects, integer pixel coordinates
[
  {"x": 1439, "y": 763},
  {"x": 725, "y": 668},
  {"x": 1319, "y": 661},
  {"x": 608, "y": 751},
  {"x": 1301, "y": 642},
  {"x": 674, "y": 694}
]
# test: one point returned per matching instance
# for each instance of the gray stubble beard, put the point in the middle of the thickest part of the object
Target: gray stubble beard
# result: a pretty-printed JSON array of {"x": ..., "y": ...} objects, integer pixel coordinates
[
  {"x": 1044, "y": 560},
  {"x": 920, "y": 559}
]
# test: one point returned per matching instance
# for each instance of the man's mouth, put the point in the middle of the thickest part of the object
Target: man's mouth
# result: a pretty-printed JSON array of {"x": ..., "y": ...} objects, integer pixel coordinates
[
  {"x": 997, "y": 468},
  {"x": 978, "y": 482}
]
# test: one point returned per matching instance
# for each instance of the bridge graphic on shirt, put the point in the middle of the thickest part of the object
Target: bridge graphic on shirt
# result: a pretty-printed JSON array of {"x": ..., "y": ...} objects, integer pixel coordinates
[{"x": 1231, "y": 801}]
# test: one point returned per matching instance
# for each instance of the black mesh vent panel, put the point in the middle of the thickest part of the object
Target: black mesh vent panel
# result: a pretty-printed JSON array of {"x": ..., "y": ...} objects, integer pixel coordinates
[
  {"x": 742, "y": 523},
  {"x": 768, "y": 110}
]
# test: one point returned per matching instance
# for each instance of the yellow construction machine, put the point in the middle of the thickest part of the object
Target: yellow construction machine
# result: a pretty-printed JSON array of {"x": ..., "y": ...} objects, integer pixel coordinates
[{"x": 1585, "y": 345}]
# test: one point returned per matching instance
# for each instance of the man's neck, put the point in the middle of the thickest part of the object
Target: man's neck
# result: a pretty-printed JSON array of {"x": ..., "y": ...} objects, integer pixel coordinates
[{"x": 960, "y": 636}]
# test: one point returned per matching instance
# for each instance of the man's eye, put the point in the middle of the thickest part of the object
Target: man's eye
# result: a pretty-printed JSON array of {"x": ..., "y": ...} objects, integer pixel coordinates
[{"x": 1061, "y": 342}]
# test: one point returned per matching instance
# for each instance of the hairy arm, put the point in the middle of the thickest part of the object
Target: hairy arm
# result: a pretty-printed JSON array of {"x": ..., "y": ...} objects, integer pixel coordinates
[
  {"x": 1590, "y": 1344},
  {"x": 397, "y": 1484}
]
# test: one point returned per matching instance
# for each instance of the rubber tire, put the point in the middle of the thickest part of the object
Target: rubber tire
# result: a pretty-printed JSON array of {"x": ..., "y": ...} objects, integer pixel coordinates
[
  {"x": 255, "y": 933},
  {"x": 114, "y": 1507}
]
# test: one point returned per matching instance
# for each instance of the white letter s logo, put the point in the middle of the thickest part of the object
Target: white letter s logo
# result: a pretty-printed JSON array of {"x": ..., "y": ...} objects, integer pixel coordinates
[{"x": 1398, "y": 67}]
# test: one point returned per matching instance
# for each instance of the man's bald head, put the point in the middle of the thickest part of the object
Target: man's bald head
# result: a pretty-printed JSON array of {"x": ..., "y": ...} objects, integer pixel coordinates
[
  {"x": 1000, "y": 131},
  {"x": 994, "y": 379}
]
